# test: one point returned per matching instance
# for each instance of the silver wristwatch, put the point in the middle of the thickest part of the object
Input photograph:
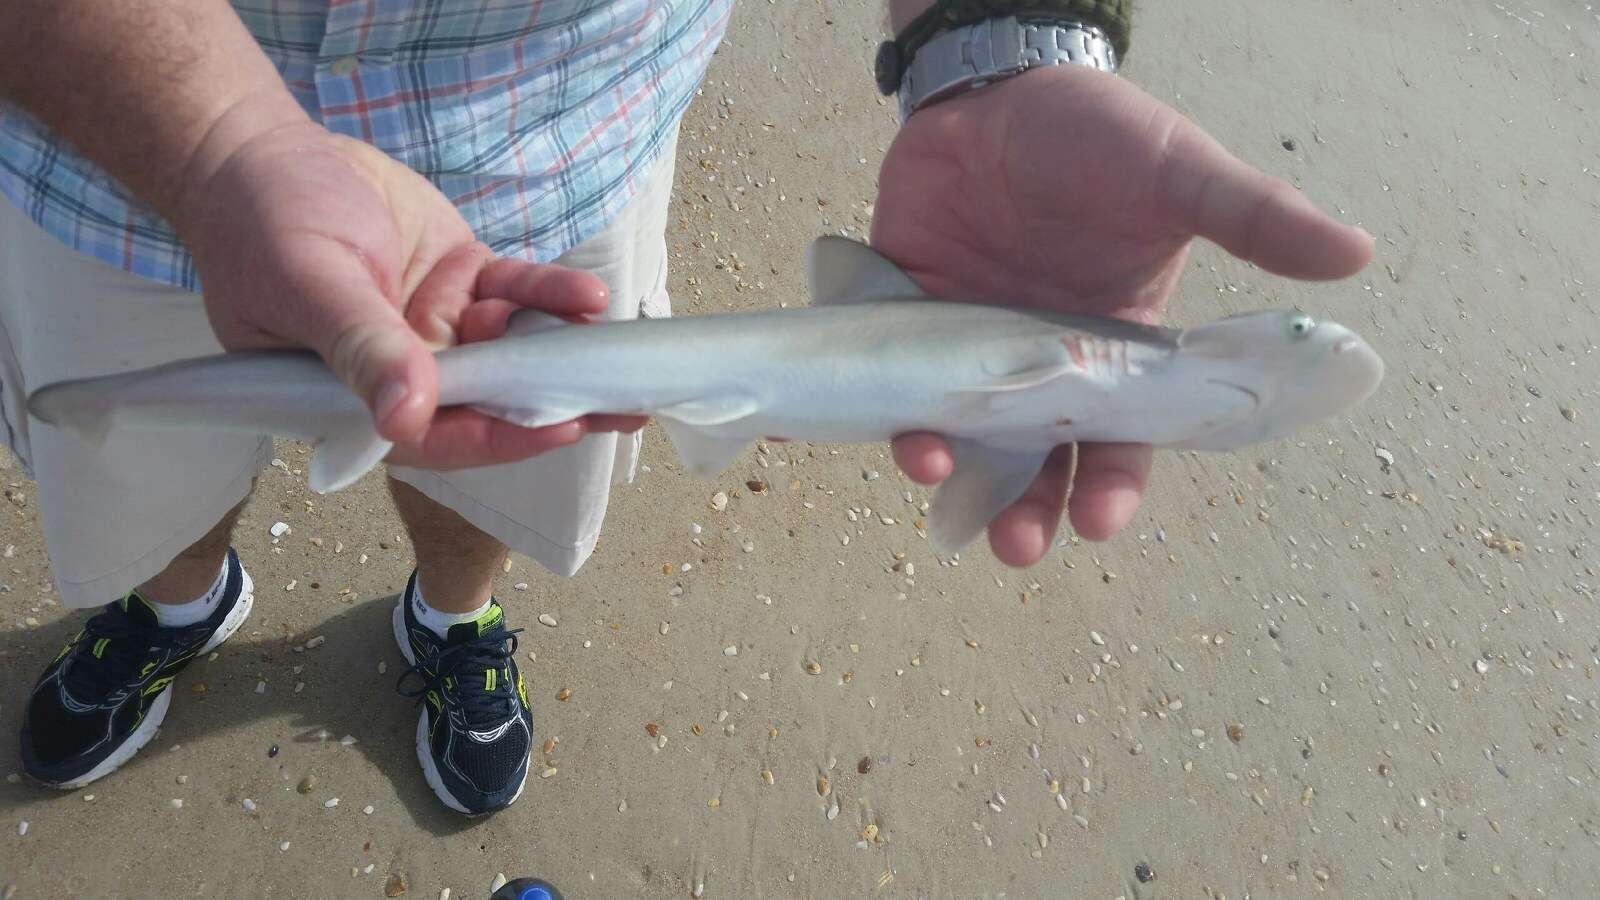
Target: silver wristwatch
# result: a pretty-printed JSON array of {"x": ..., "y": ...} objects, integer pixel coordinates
[{"x": 972, "y": 56}]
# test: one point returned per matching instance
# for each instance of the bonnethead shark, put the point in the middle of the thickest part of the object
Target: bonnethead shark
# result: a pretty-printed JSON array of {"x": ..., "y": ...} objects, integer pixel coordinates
[{"x": 871, "y": 358}]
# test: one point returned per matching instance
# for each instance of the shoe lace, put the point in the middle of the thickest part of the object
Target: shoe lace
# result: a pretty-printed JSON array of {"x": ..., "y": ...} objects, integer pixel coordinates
[
  {"x": 128, "y": 646},
  {"x": 462, "y": 665}
]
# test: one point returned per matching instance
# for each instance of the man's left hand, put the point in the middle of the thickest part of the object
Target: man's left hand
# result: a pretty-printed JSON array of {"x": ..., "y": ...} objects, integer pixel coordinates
[{"x": 1070, "y": 189}]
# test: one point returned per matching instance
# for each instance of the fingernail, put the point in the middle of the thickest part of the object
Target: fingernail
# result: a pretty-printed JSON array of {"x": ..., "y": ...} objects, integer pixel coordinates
[{"x": 390, "y": 396}]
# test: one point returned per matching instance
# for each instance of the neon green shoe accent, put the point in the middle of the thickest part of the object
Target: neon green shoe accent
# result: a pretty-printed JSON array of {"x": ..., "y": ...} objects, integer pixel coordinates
[
  {"x": 155, "y": 687},
  {"x": 488, "y": 679},
  {"x": 100, "y": 646},
  {"x": 491, "y": 619},
  {"x": 68, "y": 648}
]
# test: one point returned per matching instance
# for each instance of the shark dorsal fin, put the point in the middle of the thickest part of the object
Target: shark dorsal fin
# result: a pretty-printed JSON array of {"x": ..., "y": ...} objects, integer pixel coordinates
[{"x": 844, "y": 271}]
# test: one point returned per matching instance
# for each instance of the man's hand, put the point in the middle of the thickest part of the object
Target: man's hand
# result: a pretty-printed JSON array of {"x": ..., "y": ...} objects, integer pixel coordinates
[
  {"x": 307, "y": 239},
  {"x": 1070, "y": 189},
  {"x": 302, "y": 238}
]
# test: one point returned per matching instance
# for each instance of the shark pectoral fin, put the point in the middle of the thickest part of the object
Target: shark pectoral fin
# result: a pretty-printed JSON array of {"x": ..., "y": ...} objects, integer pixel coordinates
[
  {"x": 1001, "y": 393},
  {"x": 708, "y": 411},
  {"x": 345, "y": 454},
  {"x": 542, "y": 416},
  {"x": 704, "y": 455},
  {"x": 985, "y": 481},
  {"x": 844, "y": 271}
]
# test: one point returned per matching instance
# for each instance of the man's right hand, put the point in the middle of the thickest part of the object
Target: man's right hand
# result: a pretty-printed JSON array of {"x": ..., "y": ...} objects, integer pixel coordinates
[{"x": 304, "y": 238}]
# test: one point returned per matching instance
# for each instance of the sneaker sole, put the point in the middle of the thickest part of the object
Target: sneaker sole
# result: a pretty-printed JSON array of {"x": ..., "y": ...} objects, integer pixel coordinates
[
  {"x": 151, "y": 726},
  {"x": 430, "y": 771}
]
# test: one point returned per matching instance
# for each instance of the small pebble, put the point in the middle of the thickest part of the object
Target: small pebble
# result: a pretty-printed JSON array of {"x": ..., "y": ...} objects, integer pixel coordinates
[
  {"x": 730, "y": 650},
  {"x": 176, "y": 802},
  {"x": 248, "y": 804},
  {"x": 547, "y": 620},
  {"x": 330, "y": 803},
  {"x": 279, "y": 529},
  {"x": 283, "y": 846},
  {"x": 1142, "y": 872},
  {"x": 498, "y": 882},
  {"x": 719, "y": 501},
  {"x": 367, "y": 810},
  {"x": 22, "y": 828}
]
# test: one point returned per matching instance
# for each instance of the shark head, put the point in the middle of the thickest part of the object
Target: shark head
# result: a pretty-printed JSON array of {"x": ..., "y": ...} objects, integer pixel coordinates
[{"x": 1296, "y": 371}]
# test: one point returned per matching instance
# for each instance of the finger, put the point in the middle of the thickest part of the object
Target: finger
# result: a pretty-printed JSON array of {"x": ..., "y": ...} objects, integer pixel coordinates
[
  {"x": 554, "y": 289},
  {"x": 925, "y": 458},
  {"x": 436, "y": 306},
  {"x": 1109, "y": 486},
  {"x": 378, "y": 355},
  {"x": 363, "y": 337},
  {"x": 1021, "y": 535},
  {"x": 1253, "y": 215},
  {"x": 460, "y": 438},
  {"x": 485, "y": 320},
  {"x": 621, "y": 424}
]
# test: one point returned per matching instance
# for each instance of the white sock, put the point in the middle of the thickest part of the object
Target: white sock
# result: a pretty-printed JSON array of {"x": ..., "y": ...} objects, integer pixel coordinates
[
  {"x": 179, "y": 615},
  {"x": 439, "y": 622}
]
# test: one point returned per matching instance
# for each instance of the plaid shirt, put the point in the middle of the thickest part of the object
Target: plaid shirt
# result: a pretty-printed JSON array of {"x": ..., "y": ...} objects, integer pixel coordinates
[{"x": 536, "y": 117}]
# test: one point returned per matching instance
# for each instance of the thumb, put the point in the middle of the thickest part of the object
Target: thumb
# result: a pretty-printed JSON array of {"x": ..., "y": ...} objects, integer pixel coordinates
[
  {"x": 388, "y": 365},
  {"x": 1253, "y": 215}
]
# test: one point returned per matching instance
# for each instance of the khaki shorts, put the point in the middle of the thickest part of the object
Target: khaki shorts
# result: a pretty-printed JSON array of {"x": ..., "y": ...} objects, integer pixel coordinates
[{"x": 116, "y": 515}]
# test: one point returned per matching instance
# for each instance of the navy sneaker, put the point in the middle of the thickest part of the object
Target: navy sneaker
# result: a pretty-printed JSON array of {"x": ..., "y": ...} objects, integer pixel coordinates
[
  {"x": 475, "y": 732},
  {"x": 104, "y": 695}
]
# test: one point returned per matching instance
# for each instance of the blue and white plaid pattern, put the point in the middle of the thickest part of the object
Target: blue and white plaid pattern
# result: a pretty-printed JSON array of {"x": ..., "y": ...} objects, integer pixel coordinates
[{"x": 536, "y": 117}]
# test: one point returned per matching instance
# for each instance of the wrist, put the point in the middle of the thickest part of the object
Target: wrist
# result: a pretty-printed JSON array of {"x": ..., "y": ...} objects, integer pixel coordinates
[
  {"x": 917, "y": 23},
  {"x": 268, "y": 114}
]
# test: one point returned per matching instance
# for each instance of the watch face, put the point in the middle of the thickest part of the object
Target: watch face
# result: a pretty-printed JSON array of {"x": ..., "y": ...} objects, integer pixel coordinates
[{"x": 886, "y": 68}]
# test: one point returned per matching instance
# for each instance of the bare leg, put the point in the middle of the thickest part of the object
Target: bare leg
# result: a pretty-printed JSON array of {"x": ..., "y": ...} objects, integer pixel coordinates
[
  {"x": 456, "y": 563},
  {"x": 195, "y": 569}
]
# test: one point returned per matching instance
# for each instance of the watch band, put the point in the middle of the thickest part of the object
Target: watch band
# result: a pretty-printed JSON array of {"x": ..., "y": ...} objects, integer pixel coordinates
[{"x": 970, "y": 57}]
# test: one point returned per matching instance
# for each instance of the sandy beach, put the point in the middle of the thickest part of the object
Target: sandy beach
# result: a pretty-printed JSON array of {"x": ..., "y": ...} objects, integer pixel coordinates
[{"x": 1361, "y": 663}]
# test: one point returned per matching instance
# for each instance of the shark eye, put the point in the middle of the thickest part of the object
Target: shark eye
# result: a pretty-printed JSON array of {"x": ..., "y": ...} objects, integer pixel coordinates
[{"x": 1300, "y": 326}]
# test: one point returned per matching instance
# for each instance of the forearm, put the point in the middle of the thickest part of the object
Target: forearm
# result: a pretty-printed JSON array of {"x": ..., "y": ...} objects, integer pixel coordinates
[{"x": 156, "y": 92}]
